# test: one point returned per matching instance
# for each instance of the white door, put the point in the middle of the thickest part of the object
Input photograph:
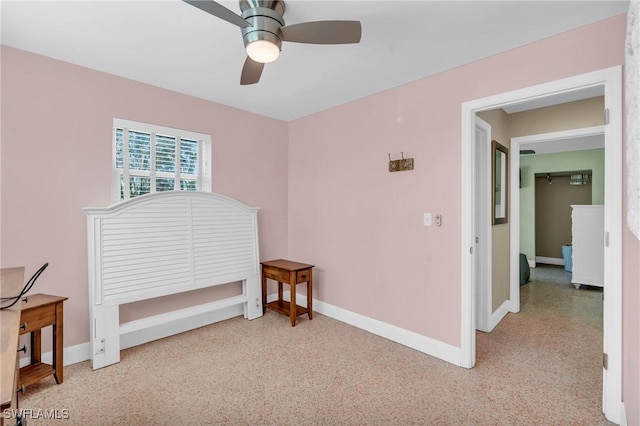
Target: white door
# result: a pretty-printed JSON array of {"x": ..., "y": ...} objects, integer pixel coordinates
[{"x": 482, "y": 213}]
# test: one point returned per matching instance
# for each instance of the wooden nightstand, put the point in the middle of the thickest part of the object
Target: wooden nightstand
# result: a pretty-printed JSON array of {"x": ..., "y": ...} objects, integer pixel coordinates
[
  {"x": 292, "y": 273},
  {"x": 39, "y": 311}
]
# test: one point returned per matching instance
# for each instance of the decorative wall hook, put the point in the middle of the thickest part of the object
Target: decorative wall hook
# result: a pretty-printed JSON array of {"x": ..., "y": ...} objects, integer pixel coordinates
[{"x": 400, "y": 165}]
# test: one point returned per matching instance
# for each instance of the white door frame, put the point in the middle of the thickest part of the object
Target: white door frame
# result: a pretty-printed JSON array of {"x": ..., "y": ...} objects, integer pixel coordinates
[
  {"x": 483, "y": 243},
  {"x": 611, "y": 80},
  {"x": 516, "y": 144}
]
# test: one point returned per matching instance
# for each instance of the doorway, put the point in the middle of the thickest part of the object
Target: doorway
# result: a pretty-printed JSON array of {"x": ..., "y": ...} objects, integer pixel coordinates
[
  {"x": 482, "y": 264},
  {"x": 554, "y": 196},
  {"x": 568, "y": 138},
  {"x": 609, "y": 81}
]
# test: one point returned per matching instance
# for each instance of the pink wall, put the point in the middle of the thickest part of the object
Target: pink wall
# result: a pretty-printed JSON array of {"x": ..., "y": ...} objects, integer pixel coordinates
[
  {"x": 362, "y": 225},
  {"x": 56, "y": 159}
]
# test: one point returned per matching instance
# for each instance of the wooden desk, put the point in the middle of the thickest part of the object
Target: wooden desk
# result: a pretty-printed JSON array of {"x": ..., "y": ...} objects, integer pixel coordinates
[
  {"x": 292, "y": 273},
  {"x": 11, "y": 283},
  {"x": 39, "y": 311}
]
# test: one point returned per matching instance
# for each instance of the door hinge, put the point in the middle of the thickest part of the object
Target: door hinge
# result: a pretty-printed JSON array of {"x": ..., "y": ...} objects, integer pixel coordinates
[
  {"x": 606, "y": 116},
  {"x": 605, "y": 361},
  {"x": 606, "y": 239}
]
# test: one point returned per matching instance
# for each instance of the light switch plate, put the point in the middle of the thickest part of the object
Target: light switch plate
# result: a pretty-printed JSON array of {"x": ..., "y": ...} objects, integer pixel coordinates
[{"x": 427, "y": 219}]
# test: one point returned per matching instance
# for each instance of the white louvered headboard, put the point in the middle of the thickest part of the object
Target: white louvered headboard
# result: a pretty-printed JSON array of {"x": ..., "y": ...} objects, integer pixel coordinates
[{"x": 166, "y": 243}]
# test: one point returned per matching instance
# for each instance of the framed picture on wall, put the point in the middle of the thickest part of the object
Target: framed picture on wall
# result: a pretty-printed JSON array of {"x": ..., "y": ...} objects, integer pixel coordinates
[{"x": 499, "y": 183}]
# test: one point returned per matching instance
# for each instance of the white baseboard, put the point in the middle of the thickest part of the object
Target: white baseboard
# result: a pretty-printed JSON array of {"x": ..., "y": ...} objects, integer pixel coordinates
[
  {"x": 498, "y": 315},
  {"x": 71, "y": 355},
  {"x": 137, "y": 332},
  {"x": 549, "y": 260},
  {"x": 435, "y": 348}
]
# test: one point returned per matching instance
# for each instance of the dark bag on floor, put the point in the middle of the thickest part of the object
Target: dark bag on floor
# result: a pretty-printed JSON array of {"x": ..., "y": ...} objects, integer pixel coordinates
[{"x": 525, "y": 273}]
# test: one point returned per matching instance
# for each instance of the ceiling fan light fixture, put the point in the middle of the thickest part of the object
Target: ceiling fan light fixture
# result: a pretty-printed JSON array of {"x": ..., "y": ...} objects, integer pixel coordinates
[
  {"x": 263, "y": 51},
  {"x": 263, "y": 30}
]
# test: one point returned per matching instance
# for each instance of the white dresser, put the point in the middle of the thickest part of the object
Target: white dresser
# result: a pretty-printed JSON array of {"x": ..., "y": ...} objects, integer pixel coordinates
[{"x": 587, "y": 231}]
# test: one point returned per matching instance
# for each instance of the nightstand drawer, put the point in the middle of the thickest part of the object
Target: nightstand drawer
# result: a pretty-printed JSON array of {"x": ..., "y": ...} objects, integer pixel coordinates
[
  {"x": 303, "y": 276},
  {"x": 37, "y": 318},
  {"x": 277, "y": 274}
]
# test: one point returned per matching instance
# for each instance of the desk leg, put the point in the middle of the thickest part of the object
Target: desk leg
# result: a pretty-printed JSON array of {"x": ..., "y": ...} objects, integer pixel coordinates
[
  {"x": 279, "y": 291},
  {"x": 310, "y": 295},
  {"x": 36, "y": 346},
  {"x": 292, "y": 304},
  {"x": 264, "y": 293},
  {"x": 58, "y": 344}
]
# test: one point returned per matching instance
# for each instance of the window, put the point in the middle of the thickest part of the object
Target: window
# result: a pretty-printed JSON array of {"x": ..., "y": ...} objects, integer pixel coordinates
[{"x": 149, "y": 158}]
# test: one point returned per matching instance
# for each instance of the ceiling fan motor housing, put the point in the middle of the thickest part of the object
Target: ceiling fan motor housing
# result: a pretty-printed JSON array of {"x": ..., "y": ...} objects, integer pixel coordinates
[{"x": 266, "y": 20}]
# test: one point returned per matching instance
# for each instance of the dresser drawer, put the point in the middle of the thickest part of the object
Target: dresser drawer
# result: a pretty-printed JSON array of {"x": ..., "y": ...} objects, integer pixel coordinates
[{"x": 37, "y": 318}]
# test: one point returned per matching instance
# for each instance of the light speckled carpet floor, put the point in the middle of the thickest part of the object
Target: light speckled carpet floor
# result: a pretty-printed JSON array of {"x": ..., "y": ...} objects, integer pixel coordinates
[{"x": 539, "y": 367}]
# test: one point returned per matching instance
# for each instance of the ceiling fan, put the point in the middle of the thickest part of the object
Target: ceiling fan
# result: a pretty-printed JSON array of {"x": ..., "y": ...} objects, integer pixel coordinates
[{"x": 263, "y": 31}]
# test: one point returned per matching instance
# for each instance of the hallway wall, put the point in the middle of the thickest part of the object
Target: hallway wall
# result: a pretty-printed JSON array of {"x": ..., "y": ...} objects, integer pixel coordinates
[{"x": 553, "y": 213}]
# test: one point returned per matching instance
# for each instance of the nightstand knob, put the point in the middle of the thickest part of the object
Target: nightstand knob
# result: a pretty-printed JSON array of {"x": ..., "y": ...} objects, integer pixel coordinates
[
  {"x": 23, "y": 326},
  {"x": 23, "y": 349},
  {"x": 26, "y": 299},
  {"x": 20, "y": 389}
]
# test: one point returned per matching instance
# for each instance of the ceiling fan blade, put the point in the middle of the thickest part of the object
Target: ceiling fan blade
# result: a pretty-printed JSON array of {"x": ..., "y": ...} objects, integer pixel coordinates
[
  {"x": 323, "y": 32},
  {"x": 251, "y": 72},
  {"x": 218, "y": 10}
]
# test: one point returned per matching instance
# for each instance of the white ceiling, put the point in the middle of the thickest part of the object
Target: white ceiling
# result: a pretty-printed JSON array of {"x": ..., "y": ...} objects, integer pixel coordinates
[{"x": 176, "y": 46}]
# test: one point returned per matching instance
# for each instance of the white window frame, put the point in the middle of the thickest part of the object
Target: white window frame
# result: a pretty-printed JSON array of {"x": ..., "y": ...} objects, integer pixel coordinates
[{"x": 204, "y": 157}]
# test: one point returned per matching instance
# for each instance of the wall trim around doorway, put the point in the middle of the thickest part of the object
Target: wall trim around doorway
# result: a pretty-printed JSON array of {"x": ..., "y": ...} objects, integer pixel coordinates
[{"x": 611, "y": 80}]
